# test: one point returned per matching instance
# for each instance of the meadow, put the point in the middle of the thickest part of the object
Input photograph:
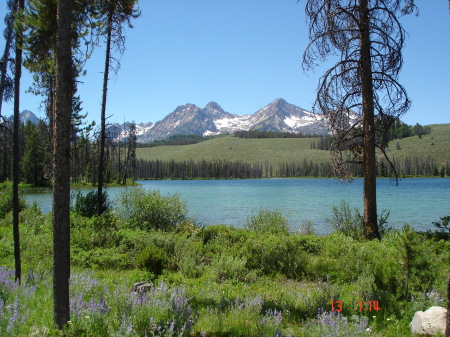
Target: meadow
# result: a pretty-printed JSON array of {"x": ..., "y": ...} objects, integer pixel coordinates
[
  {"x": 277, "y": 151},
  {"x": 216, "y": 280}
]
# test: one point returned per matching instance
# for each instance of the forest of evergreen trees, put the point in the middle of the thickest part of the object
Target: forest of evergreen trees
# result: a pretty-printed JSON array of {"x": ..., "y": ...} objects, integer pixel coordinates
[{"x": 121, "y": 161}]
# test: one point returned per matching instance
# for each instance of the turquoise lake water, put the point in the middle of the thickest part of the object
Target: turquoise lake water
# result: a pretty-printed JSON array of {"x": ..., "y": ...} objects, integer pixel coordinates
[{"x": 416, "y": 201}]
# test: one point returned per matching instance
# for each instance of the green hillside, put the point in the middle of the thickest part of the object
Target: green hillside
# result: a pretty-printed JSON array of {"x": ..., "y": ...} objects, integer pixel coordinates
[
  {"x": 283, "y": 150},
  {"x": 230, "y": 148},
  {"x": 435, "y": 145}
]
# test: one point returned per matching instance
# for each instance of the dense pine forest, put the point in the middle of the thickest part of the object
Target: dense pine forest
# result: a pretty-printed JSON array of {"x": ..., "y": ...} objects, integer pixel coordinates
[{"x": 122, "y": 161}]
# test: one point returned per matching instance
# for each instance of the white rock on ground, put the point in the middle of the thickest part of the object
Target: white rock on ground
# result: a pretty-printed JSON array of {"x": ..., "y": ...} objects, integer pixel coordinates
[{"x": 429, "y": 322}]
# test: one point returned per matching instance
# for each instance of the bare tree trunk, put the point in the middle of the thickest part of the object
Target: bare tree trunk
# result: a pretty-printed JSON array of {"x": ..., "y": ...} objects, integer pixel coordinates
[
  {"x": 61, "y": 164},
  {"x": 369, "y": 160},
  {"x": 4, "y": 64},
  {"x": 101, "y": 164},
  {"x": 447, "y": 329},
  {"x": 16, "y": 152}
]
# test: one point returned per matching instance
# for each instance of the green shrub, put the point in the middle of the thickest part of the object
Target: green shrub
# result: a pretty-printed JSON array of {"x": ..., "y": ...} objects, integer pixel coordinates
[
  {"x": 273, "y": 254},
  {"x": 6, "y": 204},
  {"x": 149, "y": 210},
  {"x": 233, "y": 268},
  {"x": 351, "y": 223},
  {"x": 86, "y": 205},
  {"x": 306, "y": 228},
  {"x": 347, "y": 221},
  {"x": 94, "y": 232},
  {"x": 152, "y": 259},
  {"x": 266, "y": 221},
  {"x": 442, "y": 228}
]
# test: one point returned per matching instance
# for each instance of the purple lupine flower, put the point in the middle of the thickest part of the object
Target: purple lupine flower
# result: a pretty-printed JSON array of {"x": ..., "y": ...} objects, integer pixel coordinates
[
  {"x": 14, "y": 314},
  {"x": 126, "y": 325},
  {"x": 7, "y": 278},
  {"x": 275, "y": 314}
]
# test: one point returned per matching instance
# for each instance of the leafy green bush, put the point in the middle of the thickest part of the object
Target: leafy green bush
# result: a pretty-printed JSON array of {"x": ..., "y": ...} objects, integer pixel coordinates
[
  {"x": 149, "y": 210},
  {"x": 273, "y": 254},
  {"x": 266, "y": 221},
  {"x": 351, "y": 223},
  {"x": 6, "y": 204},
  {"x": 443, "y": 227},
  {"x": 233, "y": 268},
  {"x": 94, "y": 232},
  {"x": 347, "y": 221},
  {"x": 152, "y": 259},
  {"x": 86, "y": 205}
]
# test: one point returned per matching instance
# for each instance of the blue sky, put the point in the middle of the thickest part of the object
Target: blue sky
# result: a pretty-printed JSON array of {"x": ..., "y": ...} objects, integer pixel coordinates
[{"x": 243, "y": 55}]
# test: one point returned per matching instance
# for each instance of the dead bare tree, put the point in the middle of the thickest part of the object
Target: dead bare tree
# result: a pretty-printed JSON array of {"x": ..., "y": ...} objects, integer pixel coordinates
[{"x": 359, "y": 96}]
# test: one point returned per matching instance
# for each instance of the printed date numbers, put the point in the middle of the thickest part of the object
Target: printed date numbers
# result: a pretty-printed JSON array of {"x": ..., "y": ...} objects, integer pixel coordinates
[{"x": 363, "y": 306}]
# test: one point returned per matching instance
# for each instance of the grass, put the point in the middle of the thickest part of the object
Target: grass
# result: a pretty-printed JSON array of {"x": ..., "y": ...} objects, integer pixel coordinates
[
  {"x": 283, "y": 150},
  {"x": 230, "y": 148},
  {"x": 219, "y": 281},
  {"x": 435, "y": 145}
]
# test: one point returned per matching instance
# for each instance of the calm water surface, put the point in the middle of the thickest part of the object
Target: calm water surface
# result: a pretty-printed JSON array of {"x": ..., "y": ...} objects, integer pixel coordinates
[{"x": 416, "y": 201}]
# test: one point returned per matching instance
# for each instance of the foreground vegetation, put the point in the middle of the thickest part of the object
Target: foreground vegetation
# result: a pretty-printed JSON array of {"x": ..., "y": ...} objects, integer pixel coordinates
[{"x": 261, "y": 280}]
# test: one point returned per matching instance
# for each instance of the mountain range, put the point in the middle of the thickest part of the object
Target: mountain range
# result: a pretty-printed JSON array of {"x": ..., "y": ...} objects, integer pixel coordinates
[{"x": 190, "y": 119}]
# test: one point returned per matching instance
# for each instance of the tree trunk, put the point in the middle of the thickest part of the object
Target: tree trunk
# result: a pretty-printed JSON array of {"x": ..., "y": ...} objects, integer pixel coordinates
[
  {"x": 447, "y": 329},
  {"x": 61, "y": 164},
  {"x": 16, "y": 152},
  {"x": 101, "y": 164},
  {"x": 369, "y": 160},
  {"x": 4, "y": 64}
]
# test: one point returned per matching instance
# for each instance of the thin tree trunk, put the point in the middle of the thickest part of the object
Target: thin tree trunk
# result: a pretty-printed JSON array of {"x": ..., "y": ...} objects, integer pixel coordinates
[
  {"x": 6, "y": 57},
  {"x": 447, "y": 329},
  {"x": 101, "y": 164},
  {"x": 16, "y": 152},
  {"x": 369, "y": 160},
  {"x": 61, "y": 164}
]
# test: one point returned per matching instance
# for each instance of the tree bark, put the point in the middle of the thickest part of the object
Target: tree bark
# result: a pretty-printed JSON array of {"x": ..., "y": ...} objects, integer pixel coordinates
[
  {"x": 61, "y": 164},
  {"x": 16, "y": 150},
  {"x": 369, "y": 159},
  {"x": 447, "y": 329},
  {"x": 4, "y": 64},
  {"x": 101, "y": 164}
]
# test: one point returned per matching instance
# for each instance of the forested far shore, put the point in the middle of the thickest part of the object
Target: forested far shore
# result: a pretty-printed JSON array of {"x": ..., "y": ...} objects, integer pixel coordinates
[{"x": 416, "y": 151}]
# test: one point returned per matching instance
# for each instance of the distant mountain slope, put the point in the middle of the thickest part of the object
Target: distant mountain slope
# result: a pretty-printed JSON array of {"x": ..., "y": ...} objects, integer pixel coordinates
[
  {"x": 25, "y": 116},
  {"x": 189, "y": 119},
  {"x": 284, "y": 150}
]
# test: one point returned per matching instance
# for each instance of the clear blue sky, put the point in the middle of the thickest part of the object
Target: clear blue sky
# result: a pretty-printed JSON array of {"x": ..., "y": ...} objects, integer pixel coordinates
[{"x": 243, "y": 54}]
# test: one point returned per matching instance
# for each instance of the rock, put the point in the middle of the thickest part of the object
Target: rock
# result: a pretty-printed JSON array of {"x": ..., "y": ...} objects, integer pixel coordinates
[
  {"x": 430, "y": 322},
  {"x": 141, "y": 287}
]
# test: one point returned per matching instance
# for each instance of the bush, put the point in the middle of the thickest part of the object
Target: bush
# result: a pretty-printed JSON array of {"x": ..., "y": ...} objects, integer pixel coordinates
[
  {"x": 351, "y": 223},
  {"x": 152, "y": 259},
  {"x": 149, "y": 210},
  {"x": 6, "y": 205},
  {"x": 272, "y": 222},
  {"x": 272, "y": 255},
  {"x": 86, "y": 205},
  {"x": 443, "y": 227},
  {"x": 348, "y": 222}
]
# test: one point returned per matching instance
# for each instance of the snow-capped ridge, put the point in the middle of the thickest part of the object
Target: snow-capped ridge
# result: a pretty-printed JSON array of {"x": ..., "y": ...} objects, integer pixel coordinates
[{"x": 279, "y": 116}]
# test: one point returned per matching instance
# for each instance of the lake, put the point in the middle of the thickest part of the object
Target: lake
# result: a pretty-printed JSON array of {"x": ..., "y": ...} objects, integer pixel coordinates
[{"x": 416, "y": 201}]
